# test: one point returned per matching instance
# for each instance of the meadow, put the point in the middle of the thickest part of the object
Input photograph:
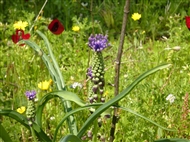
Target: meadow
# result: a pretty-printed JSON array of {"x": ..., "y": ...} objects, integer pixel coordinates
[{"x": 61, "y": 77}]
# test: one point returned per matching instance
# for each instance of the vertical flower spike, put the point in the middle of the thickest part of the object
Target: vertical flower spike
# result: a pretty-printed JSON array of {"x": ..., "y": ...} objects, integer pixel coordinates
[
  {"x": 56, "y": 27},
  {"x": 96, "y": 72},
  {"x": 187, "y": 19},
  {"x": 30, "y": 113}
]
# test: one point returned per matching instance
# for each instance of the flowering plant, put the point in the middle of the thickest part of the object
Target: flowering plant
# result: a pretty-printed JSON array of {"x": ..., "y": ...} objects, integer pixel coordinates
[{"x": 97, "y": 103}]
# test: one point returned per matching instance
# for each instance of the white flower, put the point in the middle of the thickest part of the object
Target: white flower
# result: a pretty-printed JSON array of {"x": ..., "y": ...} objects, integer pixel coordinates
[
  {"x": 76, "y": 84},
  {"x": 52, "y": 118},
  {"x": 170, "y": 98}
]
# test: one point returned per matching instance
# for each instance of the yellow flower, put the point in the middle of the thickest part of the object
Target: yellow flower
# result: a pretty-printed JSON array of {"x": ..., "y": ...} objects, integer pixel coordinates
[
  {"x": 136, "y": 16},
  {"x": 76, "y": 28},
  {"x": 21, "y": 109},
  {"x": 20, "y": 25},
  {"x": 45, "y": 85}
]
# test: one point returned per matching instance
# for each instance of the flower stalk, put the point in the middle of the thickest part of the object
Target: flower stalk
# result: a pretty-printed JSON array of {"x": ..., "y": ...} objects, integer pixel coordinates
[{"x": 117, "y": 68}]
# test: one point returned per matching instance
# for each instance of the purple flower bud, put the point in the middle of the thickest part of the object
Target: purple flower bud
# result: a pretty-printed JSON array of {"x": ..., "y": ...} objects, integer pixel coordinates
[
  {"x": 89, "y": 72},
  {"x": 89, "y": 134},
  {"x": 30, "y": 94},
  {"x": 98, "y": 42},
  {"x": 95, "y": 96},
  {"x": 91, "y": 100},
  {"x": 95, "y": 88}
]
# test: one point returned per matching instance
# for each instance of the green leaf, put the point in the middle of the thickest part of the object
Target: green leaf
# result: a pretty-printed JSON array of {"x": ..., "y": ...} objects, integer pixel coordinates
[
  {"x": 23, "y": 120},
  {"x": 139, "y": 115},
  {"x": 55, "y": 64},
  {"x": 111, "y": 102},
  {"x": 172, "y": 140},
  {"x": 66, "y": 95},
  {"x": 70, "y": 113},
  {"x": 40, "y": 133},
  {"x": 15, "y": 115},
  {"x": 70, "y": 138},
  {"x": 4, "y": 135}
]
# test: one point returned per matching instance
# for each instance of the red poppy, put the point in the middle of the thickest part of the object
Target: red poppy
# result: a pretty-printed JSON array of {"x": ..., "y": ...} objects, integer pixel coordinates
[
  {"x": 56, "y": 27},
  {"x": 187, "y": 18},
  {"x": 19, "y": 36}
]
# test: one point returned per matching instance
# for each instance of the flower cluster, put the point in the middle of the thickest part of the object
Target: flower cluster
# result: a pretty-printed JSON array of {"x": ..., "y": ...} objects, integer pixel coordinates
[
  {"x": 30, "y": 94},
  {"x": 20, "y": 25},
  {"x": 55, "y": 27},
  {"x": 75, "y": 28},
  {"x": 20, "y": 36},
  {"x": 98, "y": 42},
  {"x": 136, "y": 16},
  {"x": 170, "y": 98},
  {"x": 76, "y": 84}
]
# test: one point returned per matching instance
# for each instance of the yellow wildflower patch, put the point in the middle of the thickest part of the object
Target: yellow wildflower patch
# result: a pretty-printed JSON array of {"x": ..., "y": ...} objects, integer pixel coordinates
[
  {"x": 45, "y": 85},
  {"x": 136, "y": 16},
  {"x": 76, "y": 28},
  {"x": 20, "y": 25},
  {"x": 21, "y": 109}
]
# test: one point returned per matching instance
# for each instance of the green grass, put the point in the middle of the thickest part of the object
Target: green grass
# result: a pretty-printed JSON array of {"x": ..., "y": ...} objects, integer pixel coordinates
[{"x": 21, "y": 68}]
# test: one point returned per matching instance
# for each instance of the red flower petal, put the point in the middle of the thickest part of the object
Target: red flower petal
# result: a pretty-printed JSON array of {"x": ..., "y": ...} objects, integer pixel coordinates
[
  {"x": 19, "y": 32},
  {"x": 26, "y": 36},
  {"x": 19, "y": 36},
  {"x": 187, "y": 18},
  {"x": 15, "y": 38},
  {"x": 56, "y": 27}
]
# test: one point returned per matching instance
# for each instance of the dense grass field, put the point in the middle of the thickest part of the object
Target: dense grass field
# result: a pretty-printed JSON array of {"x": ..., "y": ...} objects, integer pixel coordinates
[{"x": 156, "y": 108}]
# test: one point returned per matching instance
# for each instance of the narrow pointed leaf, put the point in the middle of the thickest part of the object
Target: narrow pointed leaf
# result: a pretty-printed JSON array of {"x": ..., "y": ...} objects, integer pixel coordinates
[{"x": 118, "y": 98}]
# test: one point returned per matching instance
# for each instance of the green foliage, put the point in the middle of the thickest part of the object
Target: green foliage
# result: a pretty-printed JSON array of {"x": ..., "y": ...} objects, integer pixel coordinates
[{"x": 160, "y": 36}]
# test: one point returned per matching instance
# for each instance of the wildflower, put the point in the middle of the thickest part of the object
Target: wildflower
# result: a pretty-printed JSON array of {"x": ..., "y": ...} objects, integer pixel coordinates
[
  {"x": 98, "y": 42},
  {"x": 89, "y": 72},
  {"x": 19, "y": 36},
  {"x": 52, "y": 118},
  {"x": 45, "y": 84},
  {"x": 21, "y": 109},
  {"x": 30, "y": 94},
  {"x": 75, "y": 28},
  {"x": 20, "y": 25},
  {"x": 176, "y": 48},
  {"x": 56, "y": 27},
  {"x": 170, "y": 98},
  {"x": 76, "y": 84},
  {"x": 84, "y": 4},
  {"x": 30, "y": 112},
  {"x": 187, "y": 19},
  {"x": 136, "y": 16}
]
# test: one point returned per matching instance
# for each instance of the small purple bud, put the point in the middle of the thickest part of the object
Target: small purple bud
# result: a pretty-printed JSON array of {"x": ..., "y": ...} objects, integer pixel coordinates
[
  {"x": 89, "y": 134},
  {"x": 91, "y": 100},
  {"x": 95, "y": 89},
  {"x": 95, "y": 96},
  {"x": 101, "y": 91},
  {"x": 30, "y": 94}
]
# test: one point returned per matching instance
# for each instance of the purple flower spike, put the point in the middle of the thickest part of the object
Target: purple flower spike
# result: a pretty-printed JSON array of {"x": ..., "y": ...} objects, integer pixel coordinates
[
  {"x": 98, "y": 42},
  {"x": 30, "y": 94},
  {"x": 89, "y": 72}
]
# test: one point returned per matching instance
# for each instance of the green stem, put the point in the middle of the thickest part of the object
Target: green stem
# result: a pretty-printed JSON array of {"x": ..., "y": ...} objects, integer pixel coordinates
[
  {"x": 95, "y": 130},
  {"x": 33, "y": 134}
]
